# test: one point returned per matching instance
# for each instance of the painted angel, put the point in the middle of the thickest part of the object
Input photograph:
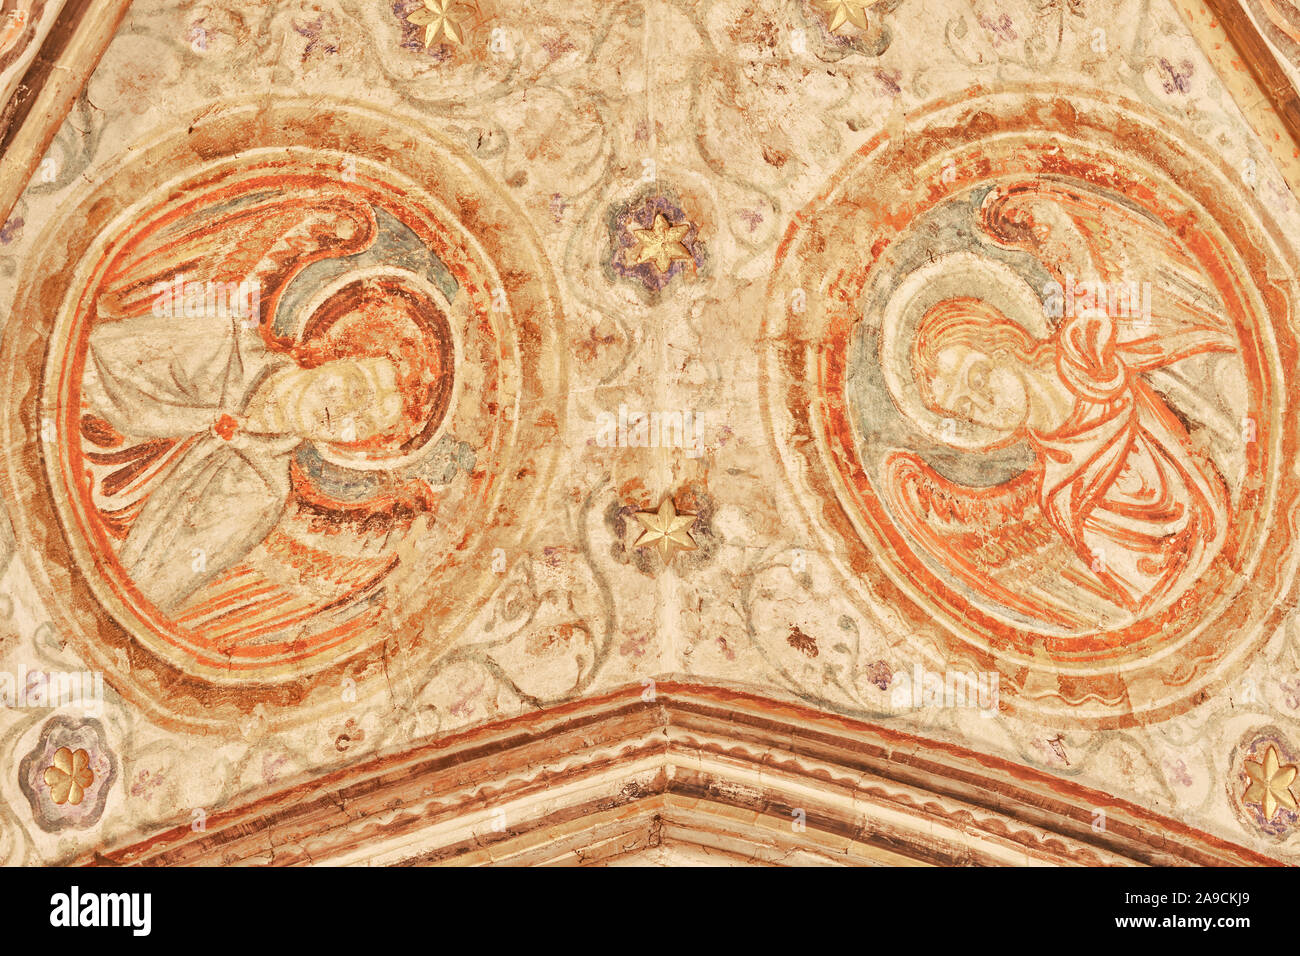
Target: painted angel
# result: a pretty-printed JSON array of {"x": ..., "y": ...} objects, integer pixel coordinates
[
  {"x": 214, "y": 418},
  {"x": 1119, "y": 513},
  {"x": 189, "y": 423}
]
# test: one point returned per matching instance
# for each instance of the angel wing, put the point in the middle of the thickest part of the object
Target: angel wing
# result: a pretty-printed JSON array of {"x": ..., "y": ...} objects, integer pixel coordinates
[
  {"x": 253, "y": 611},
  {"x": 997, "y": 543},
  {"x": 1119, "y": 258},
  {"x": 261, "y": 604},
  {"x": 265, "y": 238}
]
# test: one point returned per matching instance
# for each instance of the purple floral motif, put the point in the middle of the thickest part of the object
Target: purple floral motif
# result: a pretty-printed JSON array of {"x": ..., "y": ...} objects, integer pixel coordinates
[
  {"x": 271, "y": 765},
  {"x": 68, "y": 747},
  {"x": 1178, "y": 770},
  {"x": 146, "y": 782},
  {"x": 312, "y": 31},
  {"x": 11, "y": 230},
  {"x": 1291, "y": 687},
  {"x": 1176, "y": 79},
  {"x": 1002, "y": 29},
  {"x": 880, "y": 674},
  {"x": 891, "y": 80}
]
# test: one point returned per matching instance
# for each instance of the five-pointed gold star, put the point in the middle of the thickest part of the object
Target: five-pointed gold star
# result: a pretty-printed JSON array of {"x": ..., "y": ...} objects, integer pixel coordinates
[
  {"x": 1270, "y": 783},
  {"x": 662, "y": 243},
  {"x": 666, "y": 530},
  {"x": 847, "y": 11},
  {"x": 436, "y": 18}
]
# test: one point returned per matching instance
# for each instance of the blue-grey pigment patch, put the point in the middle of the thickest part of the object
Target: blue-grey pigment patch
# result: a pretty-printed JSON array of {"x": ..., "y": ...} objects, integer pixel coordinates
[{"x": 396, "y": 245}]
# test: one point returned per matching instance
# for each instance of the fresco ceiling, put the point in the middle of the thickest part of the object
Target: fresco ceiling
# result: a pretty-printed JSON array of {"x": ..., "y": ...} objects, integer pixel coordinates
[{"x": 440, "y": 431}]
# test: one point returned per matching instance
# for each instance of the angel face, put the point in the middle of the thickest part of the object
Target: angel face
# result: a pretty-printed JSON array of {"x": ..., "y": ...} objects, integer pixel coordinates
[
  {"x": 342, "y": 401},
  {"x": 972, "y": 364},
  {"x": 346, "y": 400},
  {"x": 973, "y": 386}
]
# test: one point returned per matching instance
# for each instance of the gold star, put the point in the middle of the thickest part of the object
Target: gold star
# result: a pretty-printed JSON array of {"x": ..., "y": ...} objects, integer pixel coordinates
[
  {"x": 436, "y": 19},
  {"x": 666, "y": 530},
  {"x": 662, "y": 244},
  {"x": 1270, "y": 783},
  {"x": 851, "y": 11}
]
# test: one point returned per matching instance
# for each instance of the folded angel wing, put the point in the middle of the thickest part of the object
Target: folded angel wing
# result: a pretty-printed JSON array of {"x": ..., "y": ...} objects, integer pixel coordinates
[
  {"x": 265, "y": 239},
  {"x": 1118, "y": 258},
  {"x": 997, "y": 543}
]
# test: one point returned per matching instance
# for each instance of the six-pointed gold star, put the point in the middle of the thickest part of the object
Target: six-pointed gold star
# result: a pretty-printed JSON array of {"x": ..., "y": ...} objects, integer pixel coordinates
[
  {"x": 436, "y": 18},
  {"x": 1270, "y": 783},
  {"x": 662, "y": 243},
  {"x": 666, "y": 530},
  {"x": 847, "y": 11}
]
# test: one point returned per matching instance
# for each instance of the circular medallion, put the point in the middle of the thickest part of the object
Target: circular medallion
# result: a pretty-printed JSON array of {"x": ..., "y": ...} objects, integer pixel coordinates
[
  {"x": 1034, "y": 352},
  {"x": 273, "y": 399}
]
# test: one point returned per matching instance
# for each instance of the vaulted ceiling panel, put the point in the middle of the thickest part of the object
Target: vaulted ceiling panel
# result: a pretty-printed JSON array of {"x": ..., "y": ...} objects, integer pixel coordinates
[{"x": 657, "y": 432}]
